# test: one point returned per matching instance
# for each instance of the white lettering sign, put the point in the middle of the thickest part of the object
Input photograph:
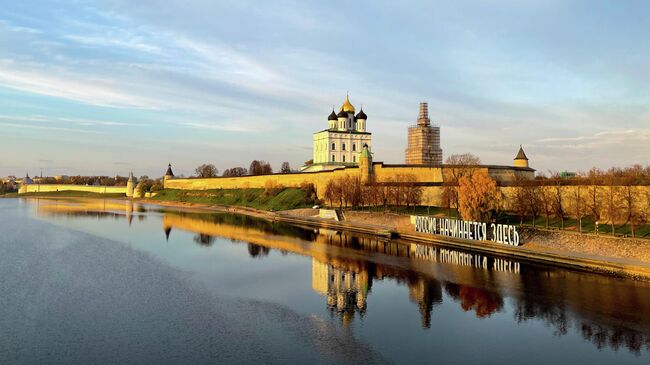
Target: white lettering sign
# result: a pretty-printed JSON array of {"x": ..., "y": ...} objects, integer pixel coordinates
[{"x": 501, "y": 233}]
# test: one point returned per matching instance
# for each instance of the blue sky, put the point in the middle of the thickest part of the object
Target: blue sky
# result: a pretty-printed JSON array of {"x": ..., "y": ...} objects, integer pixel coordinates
[{"x": 104, "y": 87}]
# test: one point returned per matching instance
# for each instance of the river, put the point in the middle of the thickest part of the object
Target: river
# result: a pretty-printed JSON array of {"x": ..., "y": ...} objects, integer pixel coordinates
[{"x": 110, "y": 281}]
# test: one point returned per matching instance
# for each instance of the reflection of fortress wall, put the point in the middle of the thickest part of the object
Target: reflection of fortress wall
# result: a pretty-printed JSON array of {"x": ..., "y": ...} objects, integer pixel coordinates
[
  {"x": 47, "y": 188},
  {"x": 86, "y": 205}
]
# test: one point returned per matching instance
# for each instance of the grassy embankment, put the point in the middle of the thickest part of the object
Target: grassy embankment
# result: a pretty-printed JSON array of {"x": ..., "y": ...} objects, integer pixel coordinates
[
  {"x": 570, "y": 224},
  {"x": 65, "y": 194},
  {"x": 280, "y": 199}
]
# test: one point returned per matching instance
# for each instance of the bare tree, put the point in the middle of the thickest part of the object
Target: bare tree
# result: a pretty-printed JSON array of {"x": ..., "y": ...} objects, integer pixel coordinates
[
  {"x": 594, "y": 204},
  {"x": 206, "y": 170},
  {"x": 285, "y": 168},
  {"x": 533, "y": 196},
  {"x": 578, "y": 208},
  {"x": 633, "y": 216},
  {"x": 520, "y": 198},
  {"x": 546, "y": 202},
  {"x": 449, "y": 196},
  {"x": 258, "y": 167},
  {"x": 557, "y": 202},
  {"x": 235, "y": 171},
  {"x": 611, "y": 203},
  {"x": 330, "y": 192}
]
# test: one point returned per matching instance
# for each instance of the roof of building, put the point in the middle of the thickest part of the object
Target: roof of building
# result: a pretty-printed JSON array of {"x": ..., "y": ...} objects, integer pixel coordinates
[
  {"x": 332, "y": 115},
  {"x": 347, "y": 106},
  {"x": 334, "y": 130},
  {"x": 521, "y": 155},
  {"x": 362, "y": 115},
  {"x": 169, "y": 170},
  {"x": 365, "y": 152},
  {"x": 342, "y": 114}
]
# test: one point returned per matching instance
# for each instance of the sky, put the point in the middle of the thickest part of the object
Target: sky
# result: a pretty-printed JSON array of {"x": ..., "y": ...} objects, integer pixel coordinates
[{"x": 108, "y": 87}]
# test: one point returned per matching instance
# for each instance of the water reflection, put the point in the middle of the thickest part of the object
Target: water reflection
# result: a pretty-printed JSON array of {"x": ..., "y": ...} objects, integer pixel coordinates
[{"x": 606, "y": 312}]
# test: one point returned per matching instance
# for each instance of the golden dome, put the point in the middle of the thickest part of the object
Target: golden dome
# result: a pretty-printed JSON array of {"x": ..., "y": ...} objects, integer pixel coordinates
[{"x": 347, "y": 106}]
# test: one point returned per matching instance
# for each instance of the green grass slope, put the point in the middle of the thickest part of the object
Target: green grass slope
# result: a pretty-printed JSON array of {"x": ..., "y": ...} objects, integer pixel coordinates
[{"x": 279, "y": 199}]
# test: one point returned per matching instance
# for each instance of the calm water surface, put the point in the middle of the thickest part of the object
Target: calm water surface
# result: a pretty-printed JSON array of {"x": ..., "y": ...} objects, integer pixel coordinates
[{"x": 91, "y": 281}]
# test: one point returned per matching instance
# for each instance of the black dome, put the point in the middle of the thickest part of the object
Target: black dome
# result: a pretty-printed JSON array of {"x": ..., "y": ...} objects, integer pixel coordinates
[
  {"x": 362, "y": 115},
  {"x": 342, "y": 114},
  {"x": 332, "y": 115}
]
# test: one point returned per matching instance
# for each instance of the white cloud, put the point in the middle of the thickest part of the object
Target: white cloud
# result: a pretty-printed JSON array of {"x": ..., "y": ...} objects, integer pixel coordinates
[
  {"x": 59, "y": 83},
  {"x": 613, "y": 137}
]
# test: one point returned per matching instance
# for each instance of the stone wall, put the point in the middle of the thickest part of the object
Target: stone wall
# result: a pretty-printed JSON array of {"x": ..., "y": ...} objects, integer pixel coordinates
[{"x": 429, "y": 176}]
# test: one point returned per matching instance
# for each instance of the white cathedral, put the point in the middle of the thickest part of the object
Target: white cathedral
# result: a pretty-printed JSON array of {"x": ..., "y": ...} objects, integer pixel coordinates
[{"x": 340, "y": 144}]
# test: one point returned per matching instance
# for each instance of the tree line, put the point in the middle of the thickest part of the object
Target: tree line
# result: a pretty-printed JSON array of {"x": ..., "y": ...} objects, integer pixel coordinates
[
  {"x": 348, "y": 191},
  {"x": 257, "y": 167},
  {"x": 617, "y": 196}
]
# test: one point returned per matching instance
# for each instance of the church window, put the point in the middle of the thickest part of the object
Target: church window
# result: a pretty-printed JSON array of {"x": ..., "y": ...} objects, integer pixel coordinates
[
  {"x": 343, "y": 158},
  {"x": 354, "y": 147},
  {"x": 354, "y": 158},
  {"x": 333, "y": 146},
  {"x": 333, "y": 158},
  {"x": 343, "y": 147}
]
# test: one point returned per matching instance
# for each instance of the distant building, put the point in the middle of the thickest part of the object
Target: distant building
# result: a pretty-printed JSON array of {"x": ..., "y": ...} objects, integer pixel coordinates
[
  {"x": 342, "y": 141},
  {"x": 568, "y": 174},
  {"x": 521, "y": 160},
  {"x": 423, "y": 146}
]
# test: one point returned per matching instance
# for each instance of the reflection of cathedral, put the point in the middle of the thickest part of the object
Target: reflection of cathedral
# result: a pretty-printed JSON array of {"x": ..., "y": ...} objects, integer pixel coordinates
[
  {"x": 427, "y": 294},
  {"x": 346, "y": 290}
]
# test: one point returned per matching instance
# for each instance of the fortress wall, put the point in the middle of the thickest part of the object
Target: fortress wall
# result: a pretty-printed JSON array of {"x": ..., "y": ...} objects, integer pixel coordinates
[
  {"x": 381, "y": 173},
  {"x": 45, "y": 188},
  {"x": 318, "y": 179}
]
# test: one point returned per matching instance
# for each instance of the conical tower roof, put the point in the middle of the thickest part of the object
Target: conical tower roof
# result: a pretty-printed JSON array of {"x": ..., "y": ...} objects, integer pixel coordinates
[
  {"x": 521, "y": 155},
  {"x": 169, "y": 170}
]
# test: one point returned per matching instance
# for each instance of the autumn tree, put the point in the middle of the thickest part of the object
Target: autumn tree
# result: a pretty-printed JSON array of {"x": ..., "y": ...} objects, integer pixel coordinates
[
  {"x": 477, "y": 196},
  {"x": 206, "y": 170},
  {"x": 458, "y": 165}
]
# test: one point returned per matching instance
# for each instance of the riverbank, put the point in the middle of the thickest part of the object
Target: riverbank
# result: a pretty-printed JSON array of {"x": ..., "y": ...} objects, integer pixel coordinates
[
  {"x": 617, "y": 256},
  {"x": 611, "y": 255}
]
